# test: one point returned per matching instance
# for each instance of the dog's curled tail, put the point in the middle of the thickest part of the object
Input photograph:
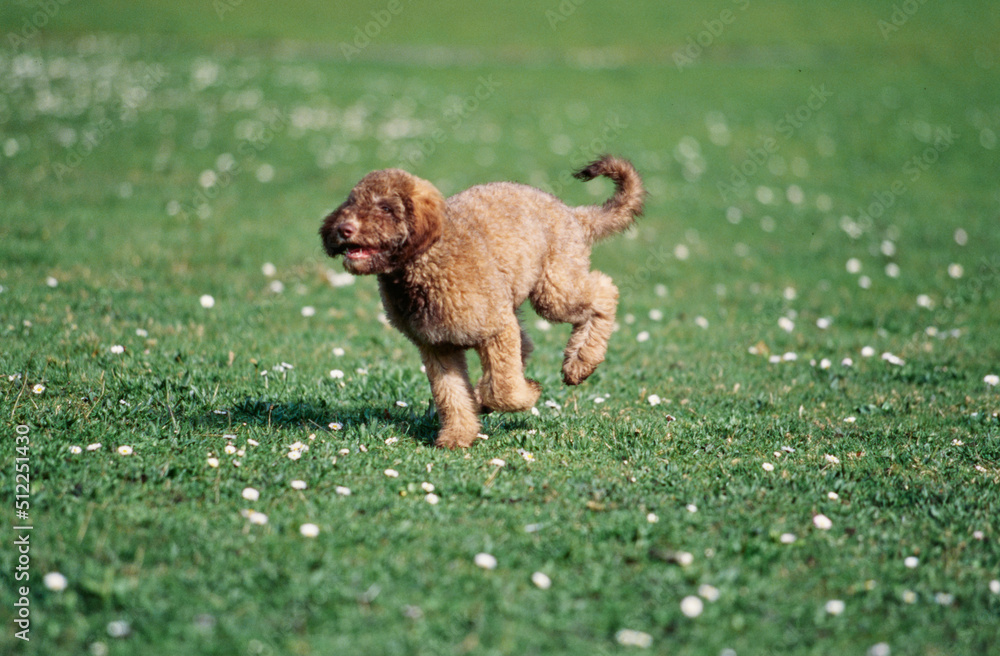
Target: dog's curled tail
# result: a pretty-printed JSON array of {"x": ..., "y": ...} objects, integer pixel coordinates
[{"x": 619, "y": 211}]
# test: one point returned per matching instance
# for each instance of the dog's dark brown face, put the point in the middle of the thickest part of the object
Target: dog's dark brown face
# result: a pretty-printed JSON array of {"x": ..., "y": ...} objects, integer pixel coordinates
[{"x": 388, "y": 219}]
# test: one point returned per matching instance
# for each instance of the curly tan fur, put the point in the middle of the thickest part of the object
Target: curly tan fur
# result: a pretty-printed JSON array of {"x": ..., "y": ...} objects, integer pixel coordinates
[{"x": 452, "y": 273}]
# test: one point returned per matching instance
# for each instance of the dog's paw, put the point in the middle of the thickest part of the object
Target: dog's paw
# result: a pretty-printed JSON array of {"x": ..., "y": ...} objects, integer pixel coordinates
[
  {"x": 454, "y": 439},
  {"x": 576, "y": 371}
]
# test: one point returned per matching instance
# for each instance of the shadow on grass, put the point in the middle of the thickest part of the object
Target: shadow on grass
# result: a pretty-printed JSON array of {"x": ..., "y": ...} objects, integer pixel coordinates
[{"x": 316, "y": 415}]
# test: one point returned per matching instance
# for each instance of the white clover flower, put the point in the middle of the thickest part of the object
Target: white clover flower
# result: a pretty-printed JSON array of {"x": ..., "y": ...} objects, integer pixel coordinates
[
  {"x": 119, "y": 629},
  {"x": 427, "y": 487},
  {"x": 911, "y": 562},
  {"x": 117, "y": 349},
  {"x": 768, "y": 466},
  {"x": 893, "y": 359},
  {"x": 835, "y": 607},
  {"x": 213, "y": 462},
  {"x": 642, "y": 337},
  {"x": 250, "y": 494},
  {"x": 391, "y": 473},
  {"x": 498, "y": 462},
  {"x": 125, "y": 450},
  {"x": 708, "y": 592},
  {"x": 94, "y": 447},
  {"x": 633, "y": 638},
  {"x": 257, "y": 518},
  {"x": 294, "y": 454},
  {"x": 75, "y": 450},
  {"x": 541, "y": 580},
  {"x": 879, "y": 649},
  {"x": 342, "y": 491},
  {"x": 822, "y": 522},
  {"x": 55, "y": 581},
  {"x": 992, "y": 380},
  {"x": 832, "y": 496},
  {"x": 485, "y": 561},
  {"x": 692, "y": 606},
  {"x": 653, "y": 399},
  {"x": 38, "y": 389},
  {"x": 308, "y": 311},
  {"x": 309, "y": 530},
  {"x": 207, "y": 301},
  {"x": 298, "y": 485},
  {"x": 787, "y": 538},
  {"x": 833, "y": 460},
  {"x": 432, "y": 499}
]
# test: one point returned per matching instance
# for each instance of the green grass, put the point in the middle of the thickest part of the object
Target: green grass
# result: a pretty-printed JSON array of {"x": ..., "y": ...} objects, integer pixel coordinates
[{"x": 113, "y": 116}]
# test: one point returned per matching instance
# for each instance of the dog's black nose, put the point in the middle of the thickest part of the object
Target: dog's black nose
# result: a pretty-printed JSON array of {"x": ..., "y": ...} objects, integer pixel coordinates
[{"x": 346, "y": 230}]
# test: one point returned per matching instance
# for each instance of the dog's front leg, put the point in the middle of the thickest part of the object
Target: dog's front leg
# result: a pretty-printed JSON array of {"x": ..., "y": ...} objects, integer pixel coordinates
[{"x": 448, "y": 373}]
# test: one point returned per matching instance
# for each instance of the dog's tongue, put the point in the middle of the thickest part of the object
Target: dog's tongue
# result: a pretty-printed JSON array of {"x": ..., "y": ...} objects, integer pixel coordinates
[{"x": 359, "y": 252}]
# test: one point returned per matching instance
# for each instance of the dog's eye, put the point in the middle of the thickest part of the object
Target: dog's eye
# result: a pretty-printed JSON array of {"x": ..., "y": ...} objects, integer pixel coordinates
[{"x": 387, "y": 208}]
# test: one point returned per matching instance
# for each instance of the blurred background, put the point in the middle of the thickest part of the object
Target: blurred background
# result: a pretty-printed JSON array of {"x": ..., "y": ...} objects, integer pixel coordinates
[{"x": 793, "y": 152}]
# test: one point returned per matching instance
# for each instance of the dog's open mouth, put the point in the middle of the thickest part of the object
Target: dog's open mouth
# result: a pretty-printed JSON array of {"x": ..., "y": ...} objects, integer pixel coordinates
[{"x": 360, "y": 252}]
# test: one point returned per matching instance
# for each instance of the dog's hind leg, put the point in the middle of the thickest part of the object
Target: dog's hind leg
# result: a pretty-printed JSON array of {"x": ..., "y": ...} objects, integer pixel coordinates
[
  {"x": 503, "y": 385},
  {"x": 589, "y": 303},
  {"x": 448, "y": 373}
]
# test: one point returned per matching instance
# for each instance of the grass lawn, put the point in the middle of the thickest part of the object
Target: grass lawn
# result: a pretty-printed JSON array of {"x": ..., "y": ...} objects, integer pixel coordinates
[{"x": 792, "y": 448}]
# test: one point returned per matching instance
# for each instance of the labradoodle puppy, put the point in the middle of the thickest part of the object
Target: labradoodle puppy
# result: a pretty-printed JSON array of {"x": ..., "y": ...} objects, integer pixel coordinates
[{"x": 452, "y": 273}]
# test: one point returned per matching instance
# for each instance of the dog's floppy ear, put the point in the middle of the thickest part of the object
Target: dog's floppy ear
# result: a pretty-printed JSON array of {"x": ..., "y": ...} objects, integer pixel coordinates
[{"x": 425, "y": 207}]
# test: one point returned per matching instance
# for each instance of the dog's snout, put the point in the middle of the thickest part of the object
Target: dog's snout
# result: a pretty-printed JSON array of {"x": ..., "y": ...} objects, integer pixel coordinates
[{"x": 346, "y": 230}]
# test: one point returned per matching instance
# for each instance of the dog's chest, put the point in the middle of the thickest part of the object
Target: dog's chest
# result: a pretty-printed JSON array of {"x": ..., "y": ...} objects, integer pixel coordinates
[{"x": 421, "y": 312}]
